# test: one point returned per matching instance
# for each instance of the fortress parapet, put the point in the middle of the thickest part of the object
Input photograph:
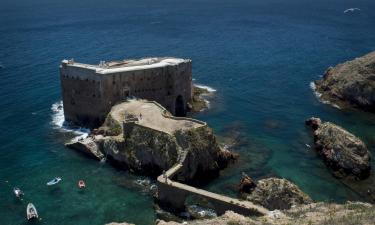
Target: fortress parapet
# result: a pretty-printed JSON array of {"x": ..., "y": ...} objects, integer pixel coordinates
[{"x": 89, "y": 91}]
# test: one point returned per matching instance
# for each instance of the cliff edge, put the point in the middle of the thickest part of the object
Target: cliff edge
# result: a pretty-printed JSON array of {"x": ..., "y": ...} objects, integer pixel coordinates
[
  {"x": 350, "y": 84},
  {"x": 145, "y": 138}
]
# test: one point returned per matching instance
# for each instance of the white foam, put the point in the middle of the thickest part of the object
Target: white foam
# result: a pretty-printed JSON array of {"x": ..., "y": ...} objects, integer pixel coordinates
[
  {"x": 58, "y": 122},
  {"x": 209, "y": 89},
  {"x": 313, "y": 87},
  {"x": 318, "y": 95}
]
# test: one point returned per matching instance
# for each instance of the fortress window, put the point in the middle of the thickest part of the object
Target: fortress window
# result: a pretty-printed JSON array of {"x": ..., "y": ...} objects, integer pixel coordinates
[
  {"x": 87, "y": 80},
  {"x": 93, "y": 95}
]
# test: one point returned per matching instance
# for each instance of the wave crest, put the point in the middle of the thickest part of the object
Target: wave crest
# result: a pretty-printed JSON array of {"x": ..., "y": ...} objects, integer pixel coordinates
[{"x": 58, "y": 122}]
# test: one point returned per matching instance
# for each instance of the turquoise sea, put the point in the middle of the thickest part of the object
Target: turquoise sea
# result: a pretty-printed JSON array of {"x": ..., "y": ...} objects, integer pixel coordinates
[{"x": 259, "y": 55}]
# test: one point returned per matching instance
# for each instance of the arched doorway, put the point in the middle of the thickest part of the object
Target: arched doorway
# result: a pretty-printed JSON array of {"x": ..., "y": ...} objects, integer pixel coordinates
[{"x": 180, "y": 106}]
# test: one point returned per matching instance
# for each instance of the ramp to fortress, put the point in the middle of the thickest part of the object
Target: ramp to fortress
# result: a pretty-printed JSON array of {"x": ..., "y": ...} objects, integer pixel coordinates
[{"x": 174, "y": 194}]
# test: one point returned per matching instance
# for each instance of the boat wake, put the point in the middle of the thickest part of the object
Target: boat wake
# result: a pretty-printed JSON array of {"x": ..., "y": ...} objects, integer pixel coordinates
[
  {"x": 58, "y": 122},
  {"x": 351, "y": 10},
  {"x": 319, "y": 95}
]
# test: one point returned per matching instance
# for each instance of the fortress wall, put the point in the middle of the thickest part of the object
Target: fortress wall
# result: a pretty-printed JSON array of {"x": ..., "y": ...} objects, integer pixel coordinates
[
  {"x": 82, "y": 96},
  {"x": 88, "y": 96}
]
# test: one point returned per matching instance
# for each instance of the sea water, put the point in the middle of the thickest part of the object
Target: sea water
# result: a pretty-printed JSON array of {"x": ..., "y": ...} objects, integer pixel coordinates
[{"x": 260, "y": 56}]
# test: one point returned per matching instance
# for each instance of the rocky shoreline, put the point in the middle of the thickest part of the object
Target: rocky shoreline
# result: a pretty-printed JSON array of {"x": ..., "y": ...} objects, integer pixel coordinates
[
  {"x": 350, "y": 84},
  {"x": 144, "y": 148}
]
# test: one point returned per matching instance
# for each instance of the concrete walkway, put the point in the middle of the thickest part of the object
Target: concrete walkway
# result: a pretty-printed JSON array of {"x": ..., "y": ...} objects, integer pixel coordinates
[
  {"x": 152, "y": 115},
  {"x": 175, "y": 194}
]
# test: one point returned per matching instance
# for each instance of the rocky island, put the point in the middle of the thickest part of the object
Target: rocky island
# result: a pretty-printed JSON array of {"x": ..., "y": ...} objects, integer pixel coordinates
[
  {"x": 343, "y": 152},
  {"x": 144, "y": 137},
  {"x": 350, "y": 84}
]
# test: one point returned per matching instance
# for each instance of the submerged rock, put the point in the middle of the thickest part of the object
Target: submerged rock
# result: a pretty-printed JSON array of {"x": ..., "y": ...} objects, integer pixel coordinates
[
  {"x": 154, "y": 141},
  {"x": 275, "y": 193},
  {"x": 350, "y": 84},
  {"x": 343, "y": 152}
]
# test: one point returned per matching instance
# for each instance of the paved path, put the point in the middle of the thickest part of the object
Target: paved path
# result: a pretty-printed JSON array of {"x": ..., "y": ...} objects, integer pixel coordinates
[
  {"x": 151, "y": 115},
  {"x": 225, "y": 202}
]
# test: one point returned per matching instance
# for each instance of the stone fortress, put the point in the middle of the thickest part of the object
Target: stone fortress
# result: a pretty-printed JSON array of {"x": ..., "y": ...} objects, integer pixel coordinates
[{"x": 90, "y": 91}]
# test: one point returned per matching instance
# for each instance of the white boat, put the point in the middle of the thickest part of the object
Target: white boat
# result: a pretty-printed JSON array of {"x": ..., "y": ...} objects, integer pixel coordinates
[
  {"x": 54, "y": 181},
  {"x": 31, "y": 212},
  {"x": 17, "y": 192}
]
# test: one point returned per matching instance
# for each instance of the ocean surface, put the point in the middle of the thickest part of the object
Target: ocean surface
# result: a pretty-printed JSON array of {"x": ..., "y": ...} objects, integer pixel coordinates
[{"x": 259, "y": 55}]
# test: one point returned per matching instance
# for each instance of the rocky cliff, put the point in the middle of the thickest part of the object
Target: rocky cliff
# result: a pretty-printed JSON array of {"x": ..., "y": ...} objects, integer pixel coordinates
[
  {"x": 274, "y": 193},
  {"x": 343, "y": 152},
  {"x": 149, "y": 151},
  {"x": 350, "y": 84},
  {"x": 312, "y": 214}
]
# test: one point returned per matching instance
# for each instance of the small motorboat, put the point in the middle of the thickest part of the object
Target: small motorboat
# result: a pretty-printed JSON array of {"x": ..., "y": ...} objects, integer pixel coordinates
[
  {"x": 17, "y": 192},
  {"x": 56, "y": 180},
  {"x": 81, "y": 184},
  {"x": 31, "y": 212}
]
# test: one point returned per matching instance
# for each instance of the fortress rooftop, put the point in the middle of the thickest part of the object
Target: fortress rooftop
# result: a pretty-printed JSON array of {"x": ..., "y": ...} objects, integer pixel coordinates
[
  {"x": 127, "y": 65},
  {"x": 151, "y": 114}
]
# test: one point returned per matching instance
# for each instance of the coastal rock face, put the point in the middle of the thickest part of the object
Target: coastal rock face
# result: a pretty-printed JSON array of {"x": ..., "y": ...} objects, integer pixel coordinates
[
  {"x": 350, "y": 84},
  {"x": 198, "y": 103},
  {"x": 343, "y": 152},
  {"x": 247, "y": 184},
  {"x": 315, "y": 213},
  {"x": 275, "y": 193},
  {"x": 144, "y": 148}
]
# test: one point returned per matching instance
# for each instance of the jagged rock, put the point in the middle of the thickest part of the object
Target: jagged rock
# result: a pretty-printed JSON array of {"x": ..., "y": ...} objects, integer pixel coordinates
[
  {"x": 150, "y": 150},
  {"x": 343, "y": 152},
  {"x": 247, "y": 184},
  {"x": 350, "y": 84},
  {"x": 197, "y": 102},
  {"x": 315, "y": 213},
  {"x": 275, "y": 193}
]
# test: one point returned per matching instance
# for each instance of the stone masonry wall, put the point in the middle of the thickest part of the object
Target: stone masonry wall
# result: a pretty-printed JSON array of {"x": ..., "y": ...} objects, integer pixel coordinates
[{"x": 88, "y": 96}]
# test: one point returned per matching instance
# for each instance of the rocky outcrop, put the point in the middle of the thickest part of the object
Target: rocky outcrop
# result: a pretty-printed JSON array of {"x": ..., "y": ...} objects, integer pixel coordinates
[
  {"x": 350, "y": 84},
  {"x": 315, "y": 213},
  {"x": 198, "y": 103},
  {"x": 343, "y": 152},
  {"x": 247, "y": 184},
  {"x": 275, "y": 193},
  {"x": 149, "y": 151}
]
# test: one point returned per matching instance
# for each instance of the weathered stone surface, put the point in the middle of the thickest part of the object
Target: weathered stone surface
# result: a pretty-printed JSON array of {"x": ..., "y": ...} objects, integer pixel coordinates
[
  {"x": 343, "y": 152},
  {"x": 149, "y": 146},
  {"x": 197, "y": 103},
  {"x": 247, "y": 184},
  {"x": 315, "y": 213},
  {"x": 275, "y": 193},
  {"x": 350, "y": 84}
]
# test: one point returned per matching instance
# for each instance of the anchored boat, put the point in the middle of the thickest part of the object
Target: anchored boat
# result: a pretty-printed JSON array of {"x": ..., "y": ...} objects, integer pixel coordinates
[
  {"x": 17, "y": 192},
  {"x": 81, "y": 184},
  {"x": 31, "y": 212}
]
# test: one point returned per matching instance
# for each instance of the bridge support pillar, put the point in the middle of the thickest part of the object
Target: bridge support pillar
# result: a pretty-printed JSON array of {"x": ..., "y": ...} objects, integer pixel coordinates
[{"x": 171, "y": 197}]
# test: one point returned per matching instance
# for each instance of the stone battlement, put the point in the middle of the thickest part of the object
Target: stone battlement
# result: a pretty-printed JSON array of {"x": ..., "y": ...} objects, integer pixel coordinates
[{"x": 90, "y": 91}]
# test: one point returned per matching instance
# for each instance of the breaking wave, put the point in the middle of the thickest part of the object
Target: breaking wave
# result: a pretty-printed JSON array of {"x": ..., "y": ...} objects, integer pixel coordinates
[
  {"x": 319, "y": 95},
  {"x": 58, "y": 122},
  {"x": 209, "y": 89}
]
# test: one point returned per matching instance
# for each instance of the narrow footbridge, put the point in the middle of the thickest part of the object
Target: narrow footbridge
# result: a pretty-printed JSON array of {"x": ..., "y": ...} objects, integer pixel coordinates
[{"x": 174, "y": 194}]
